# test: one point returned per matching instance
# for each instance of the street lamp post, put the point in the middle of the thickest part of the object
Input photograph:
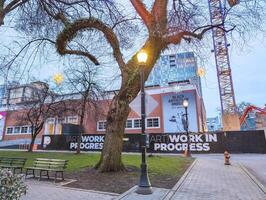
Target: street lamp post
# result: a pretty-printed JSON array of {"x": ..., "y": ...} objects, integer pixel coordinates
[
  {"x": 187, "y": 152},
  {"x": 144, "y": 182}
]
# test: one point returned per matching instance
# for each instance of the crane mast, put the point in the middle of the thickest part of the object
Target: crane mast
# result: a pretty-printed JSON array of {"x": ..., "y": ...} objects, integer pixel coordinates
[{"x": 227, "y": 97}]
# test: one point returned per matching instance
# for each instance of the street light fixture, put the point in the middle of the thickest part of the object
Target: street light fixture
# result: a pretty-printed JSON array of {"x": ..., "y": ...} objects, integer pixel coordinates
[
  {"x": 144, "y": 182},
  {"x": 187, "y": 151}
]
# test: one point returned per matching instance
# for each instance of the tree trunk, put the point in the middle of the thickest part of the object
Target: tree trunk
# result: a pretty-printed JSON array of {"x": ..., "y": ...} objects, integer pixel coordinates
[
  {"x": 117, "y": 115},
  {"x": 111, "y": 153},
  {"x": 83, "y": 108},
  {"x": 32, "y": 143}
]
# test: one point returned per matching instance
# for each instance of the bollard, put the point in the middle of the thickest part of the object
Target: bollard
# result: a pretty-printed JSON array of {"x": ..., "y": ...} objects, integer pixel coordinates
[{"x": 226, "y": 158}]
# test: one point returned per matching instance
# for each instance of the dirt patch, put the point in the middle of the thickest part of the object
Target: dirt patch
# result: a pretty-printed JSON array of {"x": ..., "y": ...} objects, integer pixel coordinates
[{"x": 117, "y": 182}]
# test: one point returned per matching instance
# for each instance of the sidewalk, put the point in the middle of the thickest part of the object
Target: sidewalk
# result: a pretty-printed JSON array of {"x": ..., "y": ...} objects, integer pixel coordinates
[
  {"x": 208, "y": 179},
  {"x": 48, "y": 191}
]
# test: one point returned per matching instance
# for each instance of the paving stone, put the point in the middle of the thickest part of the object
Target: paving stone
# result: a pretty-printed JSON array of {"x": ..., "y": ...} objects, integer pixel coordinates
[{"x": 210, "y": 179}]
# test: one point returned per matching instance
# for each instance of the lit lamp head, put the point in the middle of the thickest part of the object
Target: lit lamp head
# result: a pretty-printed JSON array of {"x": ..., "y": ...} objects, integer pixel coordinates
[
  {"x": 201, "y": 72},
  {"x": 58, "y": 78},
  {"x": 185, "y": 102},
  {"x": 142, "y": 57}
]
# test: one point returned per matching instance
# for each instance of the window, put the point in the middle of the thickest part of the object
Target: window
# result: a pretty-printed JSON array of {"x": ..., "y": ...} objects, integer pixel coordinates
[
  {"x": 17, "y": 130},
  {"x": 101, "y": 125},
  {"x": 24, "y": 129},
  {"x": 50, "y": 121},
  {"x": 30, "y": 129},
  {"x": 137, "y": 123},
  {"x": 9, "y": 130},
  {"x": 61, "y": 120},
  {"x": 72, "y": 120},
  {"x": 129, "y": 124},
  {"x": 153, "y": 123}
]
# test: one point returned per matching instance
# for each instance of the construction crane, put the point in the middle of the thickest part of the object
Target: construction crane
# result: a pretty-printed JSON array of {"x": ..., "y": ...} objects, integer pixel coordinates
[
  {"x": 248, "y": 110},
  {"x": 227, "y": 96}
]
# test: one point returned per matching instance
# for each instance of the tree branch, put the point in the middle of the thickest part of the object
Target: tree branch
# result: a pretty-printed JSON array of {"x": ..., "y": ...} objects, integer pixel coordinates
[
  {"x": 187, "y": 35},
  {"x": 143, "y": 12},
  {"x": 159, "y": 12},
  {"x": 72, "y": 29}
]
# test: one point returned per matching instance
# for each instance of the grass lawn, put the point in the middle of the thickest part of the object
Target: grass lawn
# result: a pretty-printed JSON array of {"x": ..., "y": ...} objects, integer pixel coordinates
[{"x": 164, "y": 170}]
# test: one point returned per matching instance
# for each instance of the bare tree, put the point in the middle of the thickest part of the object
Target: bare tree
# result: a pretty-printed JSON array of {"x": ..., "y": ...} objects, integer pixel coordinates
[
  {"x": 42, "y": 105},
  {"x": 166, "y": 23},
  {"x": 7, "y": 6},
  {"x": 82, "y": 81}
]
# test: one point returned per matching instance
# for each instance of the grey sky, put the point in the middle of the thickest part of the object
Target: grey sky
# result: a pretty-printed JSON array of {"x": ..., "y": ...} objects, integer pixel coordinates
[
  {"x": 248, "y": 69},
  {"x": 249, "y": 76}
]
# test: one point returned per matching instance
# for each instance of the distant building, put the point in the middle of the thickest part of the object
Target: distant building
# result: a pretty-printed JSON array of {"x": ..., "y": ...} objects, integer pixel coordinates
[
  {"x": 20, "y": 94},
  {"x": 175, "y": 68},
  {"x": 214, "y": 124}
]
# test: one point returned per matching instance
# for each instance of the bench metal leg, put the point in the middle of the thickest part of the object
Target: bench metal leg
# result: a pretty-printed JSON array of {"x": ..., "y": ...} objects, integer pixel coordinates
[
  {"x": 62, "y": 176},
  {"x": 55, "y": 177},
  {"x": 27, "y": 172},
  {"x": 47, "y": 174}
]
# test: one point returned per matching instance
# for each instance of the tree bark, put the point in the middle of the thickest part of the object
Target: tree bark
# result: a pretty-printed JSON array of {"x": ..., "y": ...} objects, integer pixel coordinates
[
  {"x": 111, "y": 159},
  {"x": 32, "y": 143},
  {"x": 83, "y": 107},
  {"x": 116, "y": 119}
]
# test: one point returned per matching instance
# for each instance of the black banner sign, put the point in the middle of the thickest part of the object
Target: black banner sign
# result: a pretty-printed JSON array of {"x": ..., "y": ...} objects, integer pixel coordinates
[{"x": 234, "y": 142}]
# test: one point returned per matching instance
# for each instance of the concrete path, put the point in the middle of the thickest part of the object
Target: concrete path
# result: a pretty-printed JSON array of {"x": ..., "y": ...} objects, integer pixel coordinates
[
  {"x": 48, "y": 191},
  {"x": 255, "y": 163},
  {"x": 210, "y": 179}
]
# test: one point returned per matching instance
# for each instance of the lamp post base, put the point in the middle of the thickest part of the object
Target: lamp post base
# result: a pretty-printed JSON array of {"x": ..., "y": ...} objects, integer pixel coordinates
[
  {"x": 144, "y": 190},
  {"x": 144, "y": 183}
]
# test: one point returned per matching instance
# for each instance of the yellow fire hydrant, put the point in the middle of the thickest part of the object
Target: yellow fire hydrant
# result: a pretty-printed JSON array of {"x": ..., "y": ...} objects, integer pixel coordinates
[{"x": 226, "y": 158}]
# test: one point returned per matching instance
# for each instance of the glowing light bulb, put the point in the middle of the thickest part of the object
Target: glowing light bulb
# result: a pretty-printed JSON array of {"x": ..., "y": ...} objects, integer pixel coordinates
[
  {"x": 201, "y": 72},
  {"x": 58, "y": 78}
]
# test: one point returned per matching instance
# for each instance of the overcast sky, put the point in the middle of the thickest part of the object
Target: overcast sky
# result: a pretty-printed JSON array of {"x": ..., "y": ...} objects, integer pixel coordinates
[
  {"x": 249, "y": 77},
  {"x": 248, "y": 71}
]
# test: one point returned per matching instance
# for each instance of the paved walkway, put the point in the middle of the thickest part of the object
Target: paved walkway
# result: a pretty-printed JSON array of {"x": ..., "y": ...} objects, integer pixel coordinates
[
  {"x": 48, "y": 191},
  {"x": 210, "y": 179}
]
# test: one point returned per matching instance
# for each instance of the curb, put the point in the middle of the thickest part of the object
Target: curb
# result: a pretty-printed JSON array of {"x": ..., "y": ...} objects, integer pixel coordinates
[
  {"x": 76, "y": 189},
  {"x": 253, "y": 178},
  {"x": 126, "y": 192},
  {"x": 180, "y": 182}
]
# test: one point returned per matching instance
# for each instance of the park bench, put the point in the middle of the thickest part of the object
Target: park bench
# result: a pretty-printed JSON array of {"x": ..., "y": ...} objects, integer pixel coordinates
[
  {"x": 46, "y": 166},
  {"x": 12, "y": 163}
]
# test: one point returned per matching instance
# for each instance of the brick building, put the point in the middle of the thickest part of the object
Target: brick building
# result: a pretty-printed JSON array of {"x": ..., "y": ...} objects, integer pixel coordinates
[{"x": 164, "y": 110}]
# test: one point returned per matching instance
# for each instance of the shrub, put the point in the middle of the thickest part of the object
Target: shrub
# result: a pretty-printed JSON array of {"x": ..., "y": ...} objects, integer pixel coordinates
[{"x": 12, "y": 186}]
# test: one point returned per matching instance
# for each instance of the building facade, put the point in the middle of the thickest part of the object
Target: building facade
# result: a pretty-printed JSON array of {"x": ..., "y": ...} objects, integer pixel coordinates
[
  {"x": 164, "y": 110},
  {"x": 214, "y": 124}
]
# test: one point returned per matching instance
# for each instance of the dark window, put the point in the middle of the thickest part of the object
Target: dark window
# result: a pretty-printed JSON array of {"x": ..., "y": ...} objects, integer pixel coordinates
[
  {"x": 102, "y": 125},
  {"x": 153, "y": 123},
  {"x": 129, "y": 124},
  {"x": 17, "y": 129},
  {"x": 9, "y": 130},
  {"x": 137, "y": 123},
  {"x": 24, "y": 129}
]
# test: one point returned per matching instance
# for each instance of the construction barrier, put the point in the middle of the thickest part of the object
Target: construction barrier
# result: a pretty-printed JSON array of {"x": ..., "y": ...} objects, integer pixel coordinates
[{"x": 216, "y": 142}]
